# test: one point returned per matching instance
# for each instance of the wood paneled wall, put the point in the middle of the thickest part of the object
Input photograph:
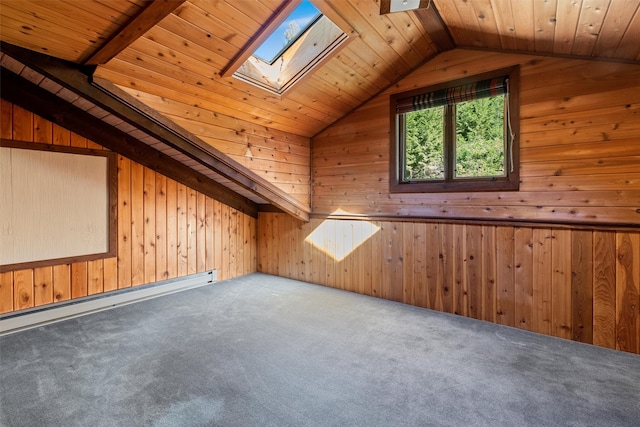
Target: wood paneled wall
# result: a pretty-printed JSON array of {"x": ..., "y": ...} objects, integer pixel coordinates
[
  {"x": 579, "y": 147},
  {"x": 165, "y": 230},
  {"x": 282, "y": 158},
  {"x": 578, "y": 284}
]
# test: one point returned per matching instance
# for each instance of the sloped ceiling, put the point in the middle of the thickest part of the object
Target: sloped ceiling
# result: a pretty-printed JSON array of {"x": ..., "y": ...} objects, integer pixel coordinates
[
  {"x": 176, "y": 65},
  {"x": 170, "y": 54}
]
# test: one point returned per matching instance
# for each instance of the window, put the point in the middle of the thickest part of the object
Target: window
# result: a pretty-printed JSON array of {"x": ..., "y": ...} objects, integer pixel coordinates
[
  {"x": 296, "y": 40},
  {"x": 301, "y": 19},
  {"x": 460, "y": 136}
]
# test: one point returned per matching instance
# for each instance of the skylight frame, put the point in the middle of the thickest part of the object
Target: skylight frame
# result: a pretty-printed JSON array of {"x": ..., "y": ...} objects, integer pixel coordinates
[
  {"x": 240, "y": 60},
  {"x": 299, "y": 34}
]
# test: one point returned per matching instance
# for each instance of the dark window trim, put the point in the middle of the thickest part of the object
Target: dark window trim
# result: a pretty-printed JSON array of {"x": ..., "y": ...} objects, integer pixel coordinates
[{"x": 510, "y": 183}]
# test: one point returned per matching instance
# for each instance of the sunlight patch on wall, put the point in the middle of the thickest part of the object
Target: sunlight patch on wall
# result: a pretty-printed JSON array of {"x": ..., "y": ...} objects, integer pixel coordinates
[{"x": 338, "y": 238}]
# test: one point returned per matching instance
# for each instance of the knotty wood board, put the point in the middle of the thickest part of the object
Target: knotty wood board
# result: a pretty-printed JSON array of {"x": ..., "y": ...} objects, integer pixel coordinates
[{"x": 26, "y": 288}]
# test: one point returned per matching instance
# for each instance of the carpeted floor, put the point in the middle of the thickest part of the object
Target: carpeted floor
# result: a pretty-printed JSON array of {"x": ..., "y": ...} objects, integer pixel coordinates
[{"x": 266, "y": 351}]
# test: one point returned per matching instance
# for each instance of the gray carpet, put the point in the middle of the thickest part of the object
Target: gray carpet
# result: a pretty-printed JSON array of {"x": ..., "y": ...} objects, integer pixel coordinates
[{"x": 265, "y": 351}]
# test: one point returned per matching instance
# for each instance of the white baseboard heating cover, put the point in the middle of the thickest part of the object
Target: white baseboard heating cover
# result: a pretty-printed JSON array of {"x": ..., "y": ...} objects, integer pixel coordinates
[{"x": 38, "y": 316}]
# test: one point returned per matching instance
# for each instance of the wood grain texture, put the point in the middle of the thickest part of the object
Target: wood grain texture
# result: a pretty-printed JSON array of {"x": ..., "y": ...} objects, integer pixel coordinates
[
  {"x": 582, "y": 285},
  {"x": 627, "y": 291},
  {"x": 577, "y": 284},
  {"x": 152, "y": 211},
  {"x": 579, "y": 124}
]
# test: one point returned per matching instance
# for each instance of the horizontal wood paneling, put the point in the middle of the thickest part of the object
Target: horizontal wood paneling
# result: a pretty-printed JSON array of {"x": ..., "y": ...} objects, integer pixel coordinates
[
  {"x": 280, "y": 157},
  {"x": 570, "y": 283},
  {"x": 579, "y": 147},
  {"x": 165, "y": 230}
]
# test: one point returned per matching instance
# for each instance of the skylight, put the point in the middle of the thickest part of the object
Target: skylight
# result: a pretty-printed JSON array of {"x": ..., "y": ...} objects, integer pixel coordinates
[
  {"x": 297, "y": 40},
  {"x": 299, "y": 21}
]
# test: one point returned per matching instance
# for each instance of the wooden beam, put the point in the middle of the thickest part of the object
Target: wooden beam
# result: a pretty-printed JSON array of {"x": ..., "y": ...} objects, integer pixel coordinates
[
  {"x": 263, "y": 33},
  {"x": 435, "y": 26},
  {"x": 25, "y": 94},
  {"x": 135, "y": 28},
  {"x": 129, "y": 109}
]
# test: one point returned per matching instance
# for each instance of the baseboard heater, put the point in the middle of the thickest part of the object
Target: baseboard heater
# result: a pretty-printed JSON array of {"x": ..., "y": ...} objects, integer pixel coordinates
[{"x": 39, "y": 316}]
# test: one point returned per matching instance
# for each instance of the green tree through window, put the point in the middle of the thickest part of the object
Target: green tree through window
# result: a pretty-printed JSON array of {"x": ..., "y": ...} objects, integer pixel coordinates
[{"x": 456, "y": 137}]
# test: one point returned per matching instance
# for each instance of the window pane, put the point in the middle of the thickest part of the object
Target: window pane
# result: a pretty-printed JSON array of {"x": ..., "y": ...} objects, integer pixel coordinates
[
  {"x": 479, "y": 145},
  {"x": 424, "y": 136},
  {"x": 288, "y": 32}
]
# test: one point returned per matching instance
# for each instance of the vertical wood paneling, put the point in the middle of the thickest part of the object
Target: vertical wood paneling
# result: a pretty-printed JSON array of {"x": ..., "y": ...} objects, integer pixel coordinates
[
  {"x": 253, "y": 266},
  {"x": 419, "y": 251},
  {"x": 296, "y": 259},
  {"x": 224, "y": 267},
  {"x": 489, "y": 268},
  {"x": 577, "y": 284},
  {"x": 6, "y": 292},
  {"x": 582, "y": 285},
  {"x": 22, "y": 129},
  {"x": 394, "y": 261},
  {"x": 172, "y": 229},
  {"x": 76, "y": 140},
  {"x": 218, "y": 234},
  {"x": 79, "y": 280},
  {"x": 561, "y": 283},
  {"x": 162, "y": 272},
  {"x": 182, "y": 235},
  {"x": 61, "y": 136},
  {"x": 150, "y": 210},
  {"x": 408, "y": 264},
  {"x": 42, "y": 286},
  {"x": 246, "y": 245},
  {"x": 604, "y": 288},
  {"x": 209, "y": 234},
  {"x": 473, "y": 269},
  {"x": 505, "y": 279},
  {"x": 110, "y": 269},
  {"x": 459, "y": 292},
  {"x": 6, "y": 119},
  {"x": 201, "y": 237},
  {"x": 627, "y": 291},
  {"x": 265, "y": 242},
  {"x": 95, "y": 277},
  {"x": 42, "y": 130},
  {"x": 542, "y": 280},
  {"x": 137, "y": 224},
  {"x": 240, "y": 244},
  {"x": 523, "y": 263},
  {"x": 433, "y": 266},
  {"x": 327, "y": 248},
  {"x": 445, "y": 268},
  {"x": 311, "y": 251},
  {"x": 233, "y": 233},
  {"x": 340, "y": 240},
  {"x": 62, "y": 281},
  {"x": 363, "y": 263},
  {"x": 124, "y": 222},
  {"x": 22, "y": 289},
  {"x": 192, "y": 231},
  {"x": 376, "y": 263}
]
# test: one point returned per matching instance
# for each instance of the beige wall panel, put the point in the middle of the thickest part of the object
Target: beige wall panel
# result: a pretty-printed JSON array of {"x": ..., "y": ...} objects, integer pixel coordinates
[{"x": 59, "y": 200}]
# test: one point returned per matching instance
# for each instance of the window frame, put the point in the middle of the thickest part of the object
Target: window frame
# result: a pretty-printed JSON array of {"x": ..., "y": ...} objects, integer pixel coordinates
[{"x": 511, "y": 180}]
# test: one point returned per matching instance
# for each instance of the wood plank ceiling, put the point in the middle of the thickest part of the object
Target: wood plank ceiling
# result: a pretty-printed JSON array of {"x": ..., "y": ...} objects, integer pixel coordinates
[
  {"x": 174, "y": 63},
  {"x": 175, "y": 67}
]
